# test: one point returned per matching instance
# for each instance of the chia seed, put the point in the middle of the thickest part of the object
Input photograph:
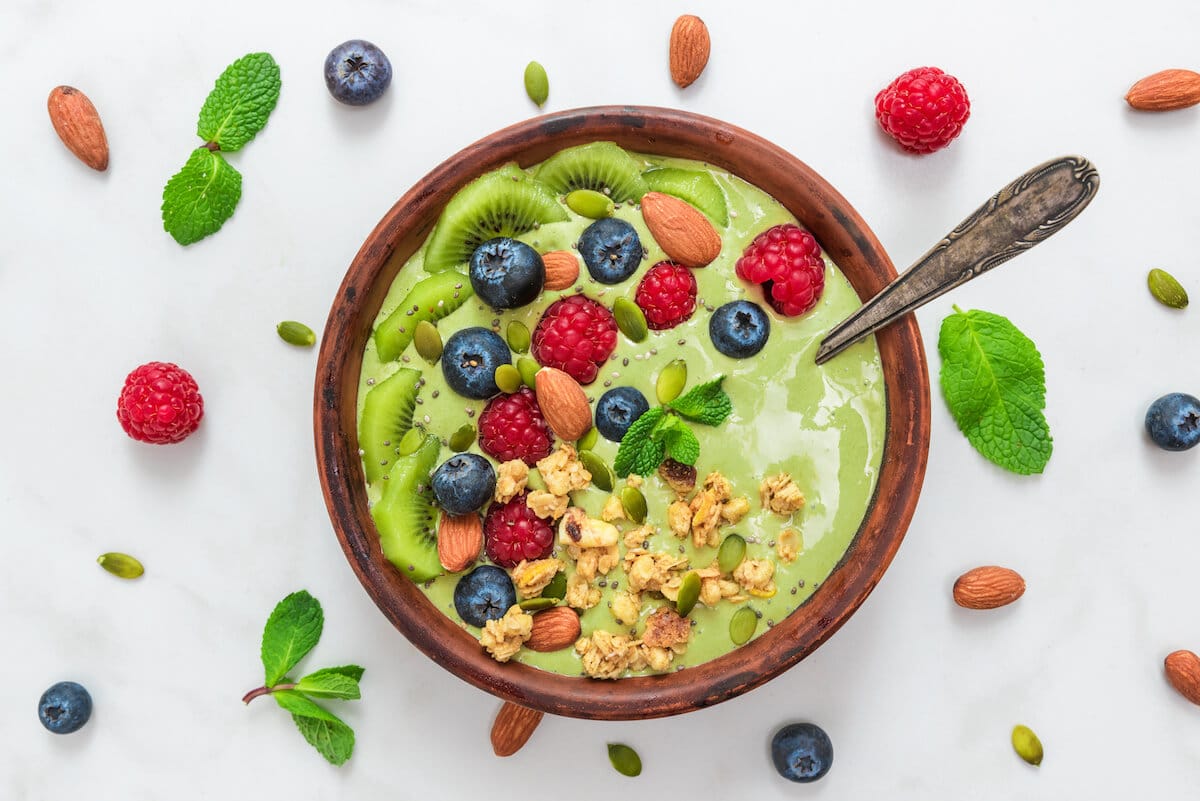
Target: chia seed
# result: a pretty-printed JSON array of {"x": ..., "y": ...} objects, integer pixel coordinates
[
  {"x": 793, "y": 590},
  {"x": 770, "y": 623},
  {"x": 436, "y": 392},
  {"x": 426, "y": 419},
  {"x": 682, "y": 342},
  {"x": 801, "y": 583},
  {"x": 602, "y": 583},
  {"x": 370, "y": 382},
  {"x": 420, "y": 400},
  {"x": 758, "y": 614},
  {"x": 470, "y": 412},
  {"x": 771, "y": 544},
  {"x": 404, "y": 359},
  {"x": 608, "y": 383},
  {"x": 624, "y": 363},
  {"x": 654, "y": 351}
]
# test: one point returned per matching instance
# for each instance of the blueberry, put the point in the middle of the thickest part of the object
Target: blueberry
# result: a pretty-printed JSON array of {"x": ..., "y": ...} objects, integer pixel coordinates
[
  {"x": 739, "y": 329},
  {"x": 484, "y": 594},
  {"x": 801, "y": 752},
  {"x": 357, "y": 72},
  {"x": 470, "y": 359},
  {"x": 617, "y": 409},
  {"x": 611, "y": 250},
  {"x": 463, "y": 483},
  {"x": 1173, "y": 421},
  {"x": 65, "y": 707},
  {"x": 506, "y": 273}
]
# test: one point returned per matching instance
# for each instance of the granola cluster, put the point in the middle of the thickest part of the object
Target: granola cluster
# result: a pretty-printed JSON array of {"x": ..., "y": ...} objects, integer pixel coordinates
[{"x": 710, "y": 508}]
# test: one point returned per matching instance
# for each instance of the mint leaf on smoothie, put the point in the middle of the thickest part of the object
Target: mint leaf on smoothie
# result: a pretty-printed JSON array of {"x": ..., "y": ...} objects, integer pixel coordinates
[
  {"x": 291, "y": 632},
  {"x": 705, "y": 403},
  {"x": 994, "y": 382},
  {"x": 682, "y": 445},
  {"x": 638, "y": 452},
  {"x": 200, "y": 197},
  {"x": 240, "y": 102}
]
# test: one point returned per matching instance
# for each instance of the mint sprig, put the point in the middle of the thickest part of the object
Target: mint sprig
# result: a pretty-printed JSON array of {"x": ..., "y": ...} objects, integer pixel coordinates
[
  {"x": 200, "y": 197},
  {"x": 705, "y": 403},
  {"x": 292, "y": 630},
  {"x": 239, "y": 104},
  {"x": 662, "y": 432}
]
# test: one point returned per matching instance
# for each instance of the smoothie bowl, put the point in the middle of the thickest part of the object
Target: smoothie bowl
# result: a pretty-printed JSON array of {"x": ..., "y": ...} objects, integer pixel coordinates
[{"x": 570, "y": 429}]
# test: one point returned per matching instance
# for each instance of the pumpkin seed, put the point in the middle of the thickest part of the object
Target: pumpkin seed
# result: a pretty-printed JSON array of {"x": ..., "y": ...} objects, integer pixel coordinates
[
  {"x": 428, "y": 341},
  {"x": 508, "y": 378},
  {"x": 410, "y": 442},
  {"x": 121, "y": 565},
  {"x": 634, "y": 504},
  {"x": 630, "y": 319},
  {"x": 1166, "y": 290},
  {"x": 537, "y": 84},
  {"x": 671, "y": 381},
  {"x": 689, "y": 593},
  {"x": 590, "y": 203},
  {"x": 518, "y": 336},
  {"x": 588, "y": 440},
  {"x": 538, "y": 604},
  {"x": 295, "y": 333},
  {"x": 742, "y": 625},
  {"x": 528, "y": 368},
  {"x": 731, "y": 553},
  {"x": 602, "y": 474},
  {"x": 463, "y": 438},
  {"x": 624, "y": 759},
  {"x": 535, "y": 481},
  {"x": 557, "y": 588},
  {"x": 1027, "y": 745}
]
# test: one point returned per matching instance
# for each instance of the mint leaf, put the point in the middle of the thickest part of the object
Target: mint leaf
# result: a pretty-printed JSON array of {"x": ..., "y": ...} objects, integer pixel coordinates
[
  {"x": 239, "y": 104},
  {"x": 994, "y": 382},
  {"x": 291, "y": 632},
  {"x": 323, "y": 730},
  {"x": 330, "y": 683},
  {"x": 353, "y": 671},
  {"x": 682, "y": 445},
  {"x": 706, "y": 403},
  {"x": 639, "y": 453},
  {"x": 200, "y": 197}
]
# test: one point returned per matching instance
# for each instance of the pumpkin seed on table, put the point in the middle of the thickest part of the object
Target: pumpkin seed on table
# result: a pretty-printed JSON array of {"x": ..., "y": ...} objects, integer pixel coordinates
[
  {"x": 517, "y": 335},
  {"x": 427, "y": 341},
  {"x": 731, "y": 553},
  {"x": 537, "y": 83},
  {"x": 689, "y": 593},
  {"x": 1027, "y": 745},
  {"x": 295, "y": 333},
  {"x": 590, "y": 203},
  {"x": 1166, "y": 290},
  {"x": 463, "y": 438},
  {"x": 410, "y": 442},
  {"x": 508, "y": 378},
  {"x": 671, "y": 381},
  {"x": 630, "y": 319},
  {"x": 742, "y": 625},
  {"x": 624, "y": 759},
  {"x": 588, "y": 440},
  {"x": 602, "y": 474},
  {"x": 528, "y": 368},
  {"x": 634, "y": 504},
  {"x": 557, "y": 588},
  {"x": 121, "y": 565}
]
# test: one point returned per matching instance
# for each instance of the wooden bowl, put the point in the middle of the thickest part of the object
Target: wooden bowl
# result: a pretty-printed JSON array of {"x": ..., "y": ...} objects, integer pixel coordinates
[{"x": 846, "y": 238}]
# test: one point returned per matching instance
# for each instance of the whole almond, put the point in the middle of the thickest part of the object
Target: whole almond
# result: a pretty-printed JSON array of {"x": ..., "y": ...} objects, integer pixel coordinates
[
  {"x": 1183, "y": 671},
  {"x": 562, "y": 269},
  {"x": 1165, "y": 91},
  {"x": 554, "y": 629},
  {"x": 513, "y": 727},
  {"x": 690, "y": 46},
  {"x": 77, "y": 124},
  {"x": 988, "y": 587},
  {"x": 460, "y": 538},
  {"x": 680, "y": 229},
  {"x": 563, "y": 403}
]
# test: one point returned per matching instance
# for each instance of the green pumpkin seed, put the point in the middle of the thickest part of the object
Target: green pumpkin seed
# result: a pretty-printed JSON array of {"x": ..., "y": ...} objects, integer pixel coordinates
[
  {"x": 671, "y": 381},
  {"x": 557, "y": 588},
  {"x": 410, "y": 442},
  {"x": 508, "y": 378},
  {"x": 295, "y": 333},
  {"x": 463, "y": 438},
  {"x": 634, "y": 504},
  {"x": 590, "y": 203},
  {"x": 742, "y": 625},
  {"x": 427, "y": 341},
  {"x": 588, "y": 440},
  {"x": 1166, "y": 290},
  {"x": 732, "y": 552},
  {"x": 538, "y": 604},
  {"x": 630, "y": 319},
  {"x": 528, "y": 368},
  {"x": 1027, "y": 745},
  {"x": 624, "y": 759},
  {"x": 121, "y": 565},
  {"x": 689, "y": 593},
  {"x": 535, "y": 481},
  {"x": 518, "y": 336},
  {"x": 602, "y": 474},
  {"x": 537, "y": 84}
]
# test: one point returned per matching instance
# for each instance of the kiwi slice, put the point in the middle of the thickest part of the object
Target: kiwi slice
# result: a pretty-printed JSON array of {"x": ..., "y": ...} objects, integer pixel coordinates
[
  {"x": 406, "y": 515},
  {"x": 430, "y": 299},
  {"x": 504, "y": 202},
  {"x": 386, "y": 418},
  {"x": 695, "y": 186},
  {"x": 600, "y": 166}
]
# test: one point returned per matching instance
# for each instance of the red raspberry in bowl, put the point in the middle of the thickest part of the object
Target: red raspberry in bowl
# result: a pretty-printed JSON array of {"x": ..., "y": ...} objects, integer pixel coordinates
[
  {"x": 512, "y": 427},
  {"x": 667, "y": 295},
  {"x": 160, "y": 404},
  {"x": 512, "y": 532},
  {"x": 787, "y": 261},
  {"x": 576, "y": 335},
  {"x": 924, "y": 109}
]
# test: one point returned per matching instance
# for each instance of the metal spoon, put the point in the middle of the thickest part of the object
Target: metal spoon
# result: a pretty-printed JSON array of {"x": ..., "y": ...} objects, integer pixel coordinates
[{"x": 1027, "y": 211}]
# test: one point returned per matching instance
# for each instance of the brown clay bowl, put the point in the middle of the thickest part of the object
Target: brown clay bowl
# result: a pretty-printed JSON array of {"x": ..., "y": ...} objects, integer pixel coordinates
[{"x": 848, "y": 241}]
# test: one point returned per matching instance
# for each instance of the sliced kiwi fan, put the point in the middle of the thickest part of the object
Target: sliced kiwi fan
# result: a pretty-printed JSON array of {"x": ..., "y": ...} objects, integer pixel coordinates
[
  {"x": 386, "y": 418},
  {"x": 406, "y": 515},
  {"x": 697, "y": 187},
  {"x": 602, "y": 166},
  {"x": 430, "y": 299}
]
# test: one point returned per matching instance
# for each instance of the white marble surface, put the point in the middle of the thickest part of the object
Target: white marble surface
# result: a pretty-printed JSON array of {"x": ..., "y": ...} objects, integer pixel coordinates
[{"x": 918, "y": 696}]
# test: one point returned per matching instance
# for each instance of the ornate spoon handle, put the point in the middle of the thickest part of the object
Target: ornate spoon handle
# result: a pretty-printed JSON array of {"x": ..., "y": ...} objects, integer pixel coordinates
[{"x": 1027, "y": 211}]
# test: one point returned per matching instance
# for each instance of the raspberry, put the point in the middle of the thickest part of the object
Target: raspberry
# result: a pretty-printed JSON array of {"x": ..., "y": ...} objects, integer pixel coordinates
[
  {"x": 924, "y": 109},
  {"x": 513, "y": 532},
  {"x": 667, "y": 295},
  {"x": 787, "y": 261},
  {"x": 512, "y": 427},
  {"x": 160, "y": 403},
  {"x": 576, "y": 334}
]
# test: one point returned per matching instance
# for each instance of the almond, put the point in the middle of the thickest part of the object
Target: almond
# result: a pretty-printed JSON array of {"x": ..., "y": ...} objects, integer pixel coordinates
[
  {"x": 690, "y": 46},
  {"x": 460, "y": 538},
  {"x": 562, "y": 269},
  {"x": 1183, "y": 671},
  {"x": 988, "y": 587},
  {"x": 680, "y": 229},
  {"x": 563, "y": 403},
  {"x": 513, "y": 727},
  {"x": 554, "y": 629},
  {"x": 1165, "y": 91},
  {"x": 77, "y": 124}
]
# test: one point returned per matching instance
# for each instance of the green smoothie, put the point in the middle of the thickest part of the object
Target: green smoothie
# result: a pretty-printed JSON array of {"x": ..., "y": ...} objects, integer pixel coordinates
[{"x": 823, "y": 425}]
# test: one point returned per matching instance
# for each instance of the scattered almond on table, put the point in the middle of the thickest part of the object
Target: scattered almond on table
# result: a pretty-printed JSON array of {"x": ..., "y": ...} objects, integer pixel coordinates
[
  {"x": 988, "y": 587},
  {"x": 1183, "y": 672},
  {"x": 689, "y": 50},
  {"x": 513, "y": 727},
  {"x": 1165, "y": 91},
  {"x": 78, "y": 125}
]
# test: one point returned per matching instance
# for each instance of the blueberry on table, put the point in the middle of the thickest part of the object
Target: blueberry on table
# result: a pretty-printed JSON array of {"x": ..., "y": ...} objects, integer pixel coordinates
[
  {"x": 801, "y": 752},
  {"x": 65, "y": 707},
  {"x": 506, "y": 273},
  {"x": 357, "y": 72},
  {"x": 739, "y": 329},
  {"x": 611, "y": 249},
  {"x": 484, "y": 594},
  {"x": 617, "y": 410},
  {"x": 469, "y": 361},
  {"x": 1173, "y": 421},
  {"x": 463, "y": 483}
]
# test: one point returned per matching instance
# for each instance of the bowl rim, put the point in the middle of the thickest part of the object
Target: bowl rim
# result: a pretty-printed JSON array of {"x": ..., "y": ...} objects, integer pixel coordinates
[{"x": 847, "y": 240}]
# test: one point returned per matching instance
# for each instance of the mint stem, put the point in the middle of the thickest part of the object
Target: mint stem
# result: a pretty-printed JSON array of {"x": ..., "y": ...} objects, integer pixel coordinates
[
  {"x": 955, "y": 307},
  {"x": 259, "y": 691},
  {"x": 213, "y": 146}
]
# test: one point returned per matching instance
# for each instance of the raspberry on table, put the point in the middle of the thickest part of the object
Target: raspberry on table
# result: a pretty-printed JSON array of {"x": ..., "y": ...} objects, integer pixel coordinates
[
  {"x": 160, "y": 404},
  {"x": 786, "y": 260},
  {"x": 923, "y": 110},
  {"x": 576, "y": 335},
  {"x": 512, "y": 427},
  {"x": 512, "y": 532},
  {"x": 666, "y": 295}
]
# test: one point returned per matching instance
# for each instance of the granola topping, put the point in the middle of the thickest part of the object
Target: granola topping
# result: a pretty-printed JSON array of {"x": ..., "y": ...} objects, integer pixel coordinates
[
  {"x": 504, "y": 637},
  {"x": 511, "y": 478},
  {"x": 780, "y": 494},
  {"x": 530, "y": 578}
]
